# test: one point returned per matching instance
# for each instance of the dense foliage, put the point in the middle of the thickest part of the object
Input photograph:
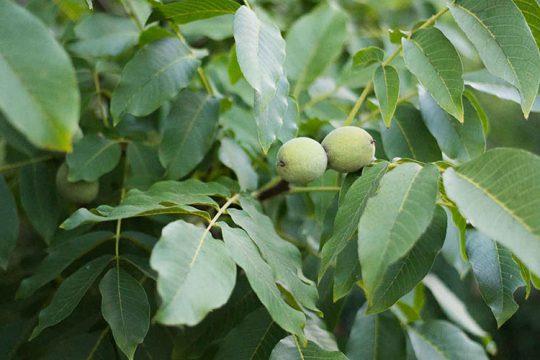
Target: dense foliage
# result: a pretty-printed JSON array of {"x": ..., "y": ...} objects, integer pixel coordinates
[{"x": 141, "y": 211}]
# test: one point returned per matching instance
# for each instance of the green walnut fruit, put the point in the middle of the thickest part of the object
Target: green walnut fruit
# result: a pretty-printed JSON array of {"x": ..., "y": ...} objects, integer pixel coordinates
[
  {"x": 301, "y": 160},
  {"x": 349, "y": 148},
  {"x": 80, "y": 192}
]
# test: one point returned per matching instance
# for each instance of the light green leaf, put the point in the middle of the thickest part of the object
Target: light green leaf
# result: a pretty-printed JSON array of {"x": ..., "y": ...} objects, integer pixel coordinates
[
  {"x": 459, "y": 141},
  {"x": 440, "y": 340},
  {"x": 188, "y": 132},
  {"x": 531, "y": 10},
  {"x": 125, "y": 307},
  {"x": 60, "y": 256},
  {"x": 261, "y": 278},
  {"x": 453, "y": 307},
  {"x": 497, "y": 274},
  {"x": 154, "y": 75},
  {"x": 349, "y": 212},
  {"x": 253, "y": 338},
  {"x": 92, "y": 157},
  {"x": 394, "y": 220},
  {"x": 367, "y": 56},
  {"x": 284, "y": 258},
  {"x": 433, "y": 59},
  {"x": 376, "y": 337},
  {"x": 290, "y": 349},
  {"x": 196, "y": 274},
  {"x": 165, "y": 197},
  {"x": 408, "y": 136},
  {"x": 234, "y": 157},
  {"x": 314, "y": 41},
  {"x": 405, "y": 273},
  {"x": 102, "y": 35},
  {"x": 386, "y": 85},
  {"x": 493, "y": 27},
  {"x": 9, "y": 223},
  {"x": 498, "y": 193},
  {"x": 70, "y": 293},
  {"x": 185, "y": 11},
  {"x": 41, "y": 100},
  {"x": 39, "y": 198}
]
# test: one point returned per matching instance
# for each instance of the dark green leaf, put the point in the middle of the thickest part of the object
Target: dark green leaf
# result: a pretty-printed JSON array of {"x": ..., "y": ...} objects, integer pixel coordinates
[
  {"x": 493, "y": 27},
  {"x": 433, "y": 59},
  {"x": 531, "y": 10},
  {"x": 92, "y": 157},
  {"x": 70, "y": 293},
  {"x": 39, "y": 99},
  {"x": 154, "y": 75},
  {"x": 184, "y": 11},
  {"x": 144, "y": 165},
  {"x": 9, "y": 223},
  {"x": 125, "y": 307},
  {"x": 195, "y": 273},
  {"x": 188, "y": 132},
  {"x": 290, "y": 349},
  {"x": 455, "y": 240},
  {"x": 386, "y": 85}
]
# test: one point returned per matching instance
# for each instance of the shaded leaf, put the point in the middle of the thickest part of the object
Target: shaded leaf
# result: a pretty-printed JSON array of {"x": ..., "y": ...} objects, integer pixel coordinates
[
  {"x": 497, "y": 274},
  {"x": 9, "y": 223},
  {"x": 188, "y": 132},
  {"x": 433, "y": 59},
  {"x": 368, "y": 56},
  {"x": 125, "y": 307},
  {"x": 195, "y": 273},
  {"x": 144, "y": 165},
  {"x": 42, "y": 102},
  {"x": 185, "y": 11},
  {"x": 531, "y": 10},
  {"x": 92, "y": 157},
  {"x": 234, "y": 157},
  {"x": 154, "y": 75},
  {"x": 493, "y": 27},
  {"x": 501, "y": 185},
  {"x": 386, "y": 85},
  {"x": 70, "y": 293},
  {"x": 289, "y": 349},
  {"x": 455, "y": 240}
]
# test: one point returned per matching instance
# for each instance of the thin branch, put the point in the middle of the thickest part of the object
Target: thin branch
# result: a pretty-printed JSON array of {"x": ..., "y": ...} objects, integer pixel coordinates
[
  {"x": 247, "y": 4},
  {"x": 101, "y": 103},
  {"x": 19, "y": 164},
  {"x": 131, "y": 14}
]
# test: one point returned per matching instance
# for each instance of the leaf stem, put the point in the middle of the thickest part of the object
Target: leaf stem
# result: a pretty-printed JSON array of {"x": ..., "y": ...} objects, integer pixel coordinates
[
  {"x": 98, "y": 342},
  {"x": 369, "y": 85},
  {"x": 131, "y": 14},
  {"x": 101, "y": 104},
  {"x": 377, "y": 111},
  {"x": 119, "y": 221},
  {"x": 247, "y": 4},
  {"x": 19, "y": 164},
  {"x": 302, "y": 189}
]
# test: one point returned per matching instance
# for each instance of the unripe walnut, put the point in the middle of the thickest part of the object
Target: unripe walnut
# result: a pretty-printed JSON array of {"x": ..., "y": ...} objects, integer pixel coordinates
[
  {"x": 80, "y": 192},
  {"x": 349, "y": 148},
  {"x": 301, "y": 160}
]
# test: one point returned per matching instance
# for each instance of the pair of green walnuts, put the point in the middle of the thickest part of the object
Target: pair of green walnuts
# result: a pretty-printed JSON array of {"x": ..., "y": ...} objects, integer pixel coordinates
[{"x": 346, "y": 149}]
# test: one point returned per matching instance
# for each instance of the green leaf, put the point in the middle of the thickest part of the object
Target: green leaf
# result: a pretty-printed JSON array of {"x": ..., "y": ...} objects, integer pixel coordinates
[
  {"x": 349, "y": 212},
  {"x": 234, "y": 71},
  {"x": 196, "y": 274},
  {"x": 261, "y": 278},
  {"x": 405, "y": 273},
  {"x": 165, "y": 197},
  {"x": 39, "y": 198},
  {"x": 9, "y": 223},
  {"x": 367, "y": 56},
  {"x": 253, "y": 338},
  {"x": 102, "y": 35},
  {"x": 347, "y": 271},
  {"x": 141, "y": 263},
  {"x": 531, "y": 10},
  {"x": 501, "y": 184},
  {"x": 497, "y": 274},
  {"x": 455, "y": 240},
  {"x": 493, "y": 28},
  {"x": 376, "y": 337},
  {"x": 185, "y": 11},
  {"x": 453, "y": 307},
  {"x": 433, "y": 59},
  {"x": 394, "y": 220},
  {"x": 188, "y": 132},
  {"x": 145, "y": 168},
  {"x": 92, "y": 157},
  {"x": 440, "y": 340},
  {"x": 314, "y": 41},
  {"x": 408, "y": 137},
  {"x": 60, "y": 256},
  {"x": 42, "y": 102},
  {"x": 284, "y": 258},
  {"x": 459, "y": 141},
  {"x": 125, "y": 307},
  {"x": 70, "y": 293},
  {"x": 386, "y": 85},
  {"x": 289, "y": 349},
  {"x": 234, "y": 157},
  {"x": 260, "y": 51},
  {"x": 153, "y": 76}
]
